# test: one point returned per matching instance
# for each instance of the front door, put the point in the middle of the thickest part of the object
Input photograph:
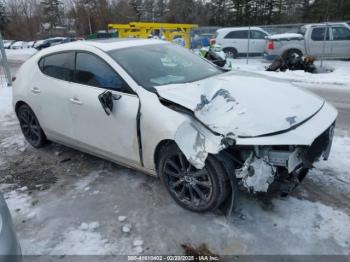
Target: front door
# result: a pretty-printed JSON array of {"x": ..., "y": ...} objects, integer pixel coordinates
[
  {"x": 258, "y": 42},
  {"x": 113, "y": 135},
  {"x": 320, "y": 46},
  {"x": 340, "y": 42}
]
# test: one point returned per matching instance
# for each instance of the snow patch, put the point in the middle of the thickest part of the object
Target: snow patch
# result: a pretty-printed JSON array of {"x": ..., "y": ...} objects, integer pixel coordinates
[
  {"x": 89, "y": 226},
  {"x": 20, "y": 54},
  {"x": 122, "y": 218},
  {"x": 83, "y": 184},
  {"x": 5, "y": 104},
  {"x": 82, "y": 241},
  {"x": 20, "y": 204},
  {"x": 285, "y": 36},
  {"x": 337, "y": 169},
  {"x": 13, "y": 143},
  {"x": 339, "y": 77},
  {"x": 310, "y": 220}
]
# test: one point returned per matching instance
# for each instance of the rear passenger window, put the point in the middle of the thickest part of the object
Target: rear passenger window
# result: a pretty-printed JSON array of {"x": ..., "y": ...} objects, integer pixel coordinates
[
  {"x": 60, "y": 66},
  {"x": 242, "y": 34},
  {"x": 93, "y": 71},
  {"x": 318, "y": 34},
  {"x": 341, "y": 33},
  {"x": 254, "y": 34}
]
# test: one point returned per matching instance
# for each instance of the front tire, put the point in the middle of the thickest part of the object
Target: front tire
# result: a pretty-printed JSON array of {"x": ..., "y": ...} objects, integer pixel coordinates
[
  {"x": 30, "y": 126},
  {"x": 196, "y": 190},
  {"x": 230, "y": 52}
]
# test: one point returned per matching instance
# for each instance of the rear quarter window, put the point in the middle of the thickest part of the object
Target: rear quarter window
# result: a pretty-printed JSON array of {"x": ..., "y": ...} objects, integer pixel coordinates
[
  {"x": 241, "y": 34},
  {"x": 60, "y": 66}
]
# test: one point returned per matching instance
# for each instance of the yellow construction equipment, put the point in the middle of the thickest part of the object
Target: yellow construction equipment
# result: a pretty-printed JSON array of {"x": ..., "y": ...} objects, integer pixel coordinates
[{"x": 144, "y": 30}]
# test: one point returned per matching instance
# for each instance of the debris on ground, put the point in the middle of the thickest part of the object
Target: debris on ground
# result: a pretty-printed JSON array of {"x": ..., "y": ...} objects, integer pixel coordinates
[
  {"x": 138, "y": 249},
  {"x": 89, "y": 226},
  {"x": 214, "y": 54},
  {"x": 293, "y": 62},
  {"x": 201, "y": 250},
  {"x": 27, "y": 176},
  {"x": 122, "y": 218},
  {"x": 138, "y": 242},
  {"x": 126, "y": 228}
]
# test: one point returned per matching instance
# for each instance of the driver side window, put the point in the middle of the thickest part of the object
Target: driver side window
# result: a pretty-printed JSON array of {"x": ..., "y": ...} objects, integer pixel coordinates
[{"x": 92, "y": 71}]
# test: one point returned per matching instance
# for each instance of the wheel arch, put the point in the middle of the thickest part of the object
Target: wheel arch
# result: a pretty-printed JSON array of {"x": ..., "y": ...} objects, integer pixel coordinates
[
  {"x": 230, "y": 48},
  {"x": 287, "y": 51},
  {"x": 158, "y": 150},
  {"x": 20, "y": 103}
]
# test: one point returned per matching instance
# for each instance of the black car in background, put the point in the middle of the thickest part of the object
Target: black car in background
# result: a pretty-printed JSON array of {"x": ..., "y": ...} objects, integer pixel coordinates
[{"x": 41, "y": 44}]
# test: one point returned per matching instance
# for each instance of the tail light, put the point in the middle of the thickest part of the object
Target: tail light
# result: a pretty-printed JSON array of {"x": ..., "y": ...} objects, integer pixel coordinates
[
  {"x": 13, "y": 79},
  {"x": 212, "y": 41},
  {"x": 270, "y": 45}
]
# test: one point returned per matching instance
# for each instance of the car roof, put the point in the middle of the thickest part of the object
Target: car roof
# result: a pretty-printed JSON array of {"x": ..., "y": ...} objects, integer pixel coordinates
[
  {"x": 226, "y": 29},
  {"x": 103, "y": 44},
  {"x": 323, "y": 24}
]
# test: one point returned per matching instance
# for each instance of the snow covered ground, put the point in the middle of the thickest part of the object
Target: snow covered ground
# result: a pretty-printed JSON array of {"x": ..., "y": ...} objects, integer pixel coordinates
[
  {"x": 65, "y": 202},
  {"x": 339, "y": 78},
  {"x": 20, "y": 54},
  {"x": 99, "y": 208}
]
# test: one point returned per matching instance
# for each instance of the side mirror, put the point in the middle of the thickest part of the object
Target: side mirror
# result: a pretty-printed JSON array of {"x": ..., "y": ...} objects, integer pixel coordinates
[{"x": 106, "y": 100}]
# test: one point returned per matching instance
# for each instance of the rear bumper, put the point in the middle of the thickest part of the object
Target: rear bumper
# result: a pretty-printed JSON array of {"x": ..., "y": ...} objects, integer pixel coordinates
[{"x": 269, "y": 57}]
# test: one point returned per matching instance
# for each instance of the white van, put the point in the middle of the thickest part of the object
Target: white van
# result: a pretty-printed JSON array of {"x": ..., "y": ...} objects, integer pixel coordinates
[{"x": 235, "y": 41}]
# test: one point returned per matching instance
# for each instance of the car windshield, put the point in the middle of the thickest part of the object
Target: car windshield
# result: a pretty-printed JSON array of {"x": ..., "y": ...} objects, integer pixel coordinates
[{"x": 163, "y": 64}]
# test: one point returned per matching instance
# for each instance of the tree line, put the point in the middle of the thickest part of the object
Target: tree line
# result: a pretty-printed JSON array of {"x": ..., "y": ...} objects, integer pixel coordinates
[{"x": 30, "y": 19}]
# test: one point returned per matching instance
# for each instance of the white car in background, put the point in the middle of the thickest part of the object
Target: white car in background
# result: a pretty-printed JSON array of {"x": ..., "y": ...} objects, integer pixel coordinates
[
  {"x": 234, "y": 41},
  {"x": 31, "y": 44},
  {"x": 8, "y": 43},
  {"x": 313, "y": 41},
  {"x": 160, "y": 108},
  {"x": 19, "y": 45}
]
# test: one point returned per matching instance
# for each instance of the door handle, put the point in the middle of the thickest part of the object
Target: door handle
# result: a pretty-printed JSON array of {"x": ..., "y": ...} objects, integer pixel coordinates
[
  {"x": 76, "y": 101},
  {"x": 35, "y": 90}
]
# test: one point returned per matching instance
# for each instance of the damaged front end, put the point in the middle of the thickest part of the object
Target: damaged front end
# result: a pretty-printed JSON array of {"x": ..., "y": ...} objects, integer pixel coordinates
[
  {"x": 271, "y": 137},
  {"x": 280, "y": 168}
]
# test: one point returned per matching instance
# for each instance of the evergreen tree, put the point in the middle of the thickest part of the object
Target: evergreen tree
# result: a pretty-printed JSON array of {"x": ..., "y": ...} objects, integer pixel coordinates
[
  {"x": 137, "y": 6},
  {"x": 52, "y": 10},
  {"x": 3, "y": 17}
]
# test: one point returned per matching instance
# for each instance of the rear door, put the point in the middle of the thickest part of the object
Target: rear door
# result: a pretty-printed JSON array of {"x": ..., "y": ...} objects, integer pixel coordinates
[
  {"x": 340, "y": 42},
  {"x": 318, "y": 45},
  {"x": 49, "y": 94},
  {"x": 237, "y": 39},
  {"x": 113, "y": 136},
  {"x": 258, "y": 42}
]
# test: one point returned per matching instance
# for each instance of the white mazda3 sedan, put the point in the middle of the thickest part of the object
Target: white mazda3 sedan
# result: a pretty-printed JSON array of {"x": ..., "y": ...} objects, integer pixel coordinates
[{"x": 161, "y": 109}]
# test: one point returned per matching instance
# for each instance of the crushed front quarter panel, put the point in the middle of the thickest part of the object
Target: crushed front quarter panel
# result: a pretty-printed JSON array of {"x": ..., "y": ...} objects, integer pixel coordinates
[
  {"x": 196, "y": 142},
  {"x": 258, "y": 112}
]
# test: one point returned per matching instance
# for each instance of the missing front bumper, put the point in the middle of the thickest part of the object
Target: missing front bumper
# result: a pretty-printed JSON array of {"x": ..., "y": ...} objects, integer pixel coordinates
[{"x": 288, "y": 164}]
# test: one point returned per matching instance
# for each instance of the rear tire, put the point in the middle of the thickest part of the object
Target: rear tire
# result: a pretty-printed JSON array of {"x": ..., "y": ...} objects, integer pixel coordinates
[
  {"x": 196, "y": 190},
  {"x": 30, "y": 126},
  {"x": 230, "y": 52},
  {"x": 288, "y": 54}
]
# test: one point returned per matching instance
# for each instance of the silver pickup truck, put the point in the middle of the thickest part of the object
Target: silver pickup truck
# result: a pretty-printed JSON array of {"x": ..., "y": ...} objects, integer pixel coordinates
[{"x": 311, "y": 40}]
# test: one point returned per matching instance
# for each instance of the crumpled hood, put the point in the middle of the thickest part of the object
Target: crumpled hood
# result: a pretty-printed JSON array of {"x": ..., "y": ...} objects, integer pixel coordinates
[{"x": 244, "y": 105}]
